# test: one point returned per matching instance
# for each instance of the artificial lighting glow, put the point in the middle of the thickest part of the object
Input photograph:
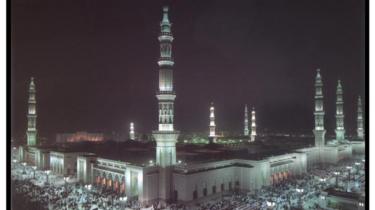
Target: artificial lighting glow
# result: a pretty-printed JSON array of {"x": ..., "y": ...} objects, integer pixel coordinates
[
  {"x": 299, "y": 190},
  {"x": 271, "y": 204}
]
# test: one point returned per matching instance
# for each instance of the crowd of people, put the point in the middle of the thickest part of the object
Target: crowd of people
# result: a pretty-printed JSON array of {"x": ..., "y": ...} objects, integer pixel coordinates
[
  {"x": 300, "y": 192},
  {"x": 37, "y": 191}
]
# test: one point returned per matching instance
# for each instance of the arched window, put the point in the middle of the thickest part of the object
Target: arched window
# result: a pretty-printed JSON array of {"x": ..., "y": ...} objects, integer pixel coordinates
[
  {"x": 204, "y": 191},
  {"x": 214, "y": 189}
]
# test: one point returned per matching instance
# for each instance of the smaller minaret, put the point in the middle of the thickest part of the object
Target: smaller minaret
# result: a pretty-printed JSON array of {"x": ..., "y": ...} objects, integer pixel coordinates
[
  {"x": 319, "y": 130},
  {"x": 131, "y": 132},
  {"x": 359, "y": 119},
  {"x": 340, "y": 130},
  {"x": 253, "y": 126},
  {"x": 212, "y": 134},
  {"x": 246, "y": 123},
  {"x": 31, "y": 132}
]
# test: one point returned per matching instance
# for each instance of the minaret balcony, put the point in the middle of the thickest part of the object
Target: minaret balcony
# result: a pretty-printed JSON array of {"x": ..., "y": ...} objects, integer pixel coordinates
[
  {"x": 166, "y": 62},
  {"x": 165, "y": 36},
  {"x": 165, "y": 33}
]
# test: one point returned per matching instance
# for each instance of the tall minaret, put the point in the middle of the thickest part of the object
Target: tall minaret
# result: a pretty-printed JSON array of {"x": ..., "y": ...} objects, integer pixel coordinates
[
  {"x": 31, "y": 116},
  {"x": 246, "y": 123},
  {"x": 131, "y": 132},
  {"x": 340, "y": 130},
  {"x": 165, "y": 136},
  {"x": 253, "y": 126},
  {"x": 359, "y": 119},
  {"x": 212, "y": 134},
  {"x": 319, "y": 131}
]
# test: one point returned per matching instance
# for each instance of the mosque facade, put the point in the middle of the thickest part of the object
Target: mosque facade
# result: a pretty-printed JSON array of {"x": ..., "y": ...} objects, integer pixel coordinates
[{"x": 164, "y": 178}]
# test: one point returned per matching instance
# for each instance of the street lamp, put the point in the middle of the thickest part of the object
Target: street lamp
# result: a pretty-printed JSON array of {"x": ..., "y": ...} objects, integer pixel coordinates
[
  {"x": 66, "y": 178},
  {"x": 14, "y": 162},
  {"x": 34, "y": 169},
  {"x": 349, "y": 168},
  {"x": 337, "y": 177},
  {"x": 357, "y": 164},
  {"x": 270, "y": 204},
  {"x": 24, "y": 167},
  {"x": 300, "y": 190},
  {"x": 47, "y": 173},
  {"x": 123, "y": 200}
]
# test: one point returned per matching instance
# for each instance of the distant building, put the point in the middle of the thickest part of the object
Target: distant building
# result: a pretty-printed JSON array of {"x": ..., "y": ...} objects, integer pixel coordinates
[{"x": 80, "y": 137}]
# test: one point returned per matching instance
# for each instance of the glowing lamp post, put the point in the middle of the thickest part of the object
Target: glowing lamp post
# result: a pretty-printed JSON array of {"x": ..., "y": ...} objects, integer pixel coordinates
[
  {"x": 66, "y": 180},
  {"x": 14, "y": 162},
  {"x": 300, "y": 191},
  {"x": 357, "y": 164},
  {"x": 47, "y": 173},
  {"x": 88, "y": 187},
  {"x": 123, "y": 200},
  {"x": 270, "y": 204},
  {"x": 34, "y": 169},
  {"x": 24, "y": 167},
  {"x": 349, "y": 170},
  {"x": 337, "y": 178}
]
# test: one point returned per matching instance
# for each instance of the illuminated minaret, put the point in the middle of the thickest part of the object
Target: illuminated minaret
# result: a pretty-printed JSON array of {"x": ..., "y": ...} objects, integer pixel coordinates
[
  {"x": 359, "y": 119},
  {"x": 253, "y": 126},
  {"x": 31, "y": 116},
  {"x": 319, "y": 131},
  {"x": 246, "y": 123},
  {"x": 212, "y": 134},
  {"x": 165, "y": 136},
  {"x": 131, "y": 132},
  {"x": 340, "y": 130}
]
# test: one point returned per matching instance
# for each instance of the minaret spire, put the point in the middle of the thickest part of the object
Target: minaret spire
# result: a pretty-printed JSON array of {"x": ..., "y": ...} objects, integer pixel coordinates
[
  {"x": 246, "y": 123},
  {"x": 253, "y": 126},
  {"x": 131, "y": 132},
  {"x": 340, "y": 130},
  {"x": 31, "y": 116},
  {"x": 166, "y": 136},
  {"x": 319, "y": 131},
  {"x": 360, "y": 119},
  {"x": 212, "y": 134}
]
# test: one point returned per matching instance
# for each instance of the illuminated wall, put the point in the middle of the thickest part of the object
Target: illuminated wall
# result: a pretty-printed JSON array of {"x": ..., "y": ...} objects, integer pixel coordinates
[{"x": 80, "y": 137}]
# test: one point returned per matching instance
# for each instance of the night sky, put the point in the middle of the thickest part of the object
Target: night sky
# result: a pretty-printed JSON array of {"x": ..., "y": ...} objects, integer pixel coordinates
[{"x": 95, "y": 62}]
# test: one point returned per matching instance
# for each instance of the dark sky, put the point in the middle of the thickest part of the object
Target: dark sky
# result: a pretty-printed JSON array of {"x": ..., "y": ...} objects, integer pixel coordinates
[{"x": 95, "y": 62}]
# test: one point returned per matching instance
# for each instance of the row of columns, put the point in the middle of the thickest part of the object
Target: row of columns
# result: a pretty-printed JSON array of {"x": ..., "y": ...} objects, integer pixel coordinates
[
  {"x": 108, "y": 183},
  {"x": 280, "y": 177}
]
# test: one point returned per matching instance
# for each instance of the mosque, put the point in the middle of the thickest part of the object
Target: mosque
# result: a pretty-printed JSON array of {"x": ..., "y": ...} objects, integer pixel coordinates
[{"x": 176, "y": 173}]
